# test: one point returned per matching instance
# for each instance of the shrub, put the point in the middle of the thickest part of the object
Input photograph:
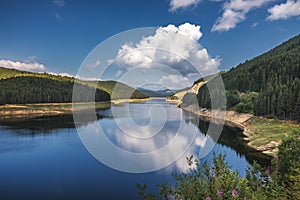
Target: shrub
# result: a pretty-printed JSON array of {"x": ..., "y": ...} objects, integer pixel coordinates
[{"x": 281, "y": 180}]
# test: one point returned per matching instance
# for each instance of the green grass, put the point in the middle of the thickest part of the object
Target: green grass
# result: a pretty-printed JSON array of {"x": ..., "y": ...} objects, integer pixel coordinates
[{"x": 263, "y": 131}]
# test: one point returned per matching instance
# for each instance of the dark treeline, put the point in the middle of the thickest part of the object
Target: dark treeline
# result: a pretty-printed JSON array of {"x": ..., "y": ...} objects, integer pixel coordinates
[
  {"x": 267, "y": 85},
  {"x": 28, "y": 89}
]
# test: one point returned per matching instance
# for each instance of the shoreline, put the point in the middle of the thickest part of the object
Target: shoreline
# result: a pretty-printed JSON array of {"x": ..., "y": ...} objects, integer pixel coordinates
[
  {"x": 119, "y": 101},
  {"x": 232, "y": 118},
  {"x": 262, "y": 134},
  {"x": 25, "y": 111}
]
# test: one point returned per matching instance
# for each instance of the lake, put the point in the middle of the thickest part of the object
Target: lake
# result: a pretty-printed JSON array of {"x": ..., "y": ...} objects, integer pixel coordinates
[{"x": 45, "y": 157}]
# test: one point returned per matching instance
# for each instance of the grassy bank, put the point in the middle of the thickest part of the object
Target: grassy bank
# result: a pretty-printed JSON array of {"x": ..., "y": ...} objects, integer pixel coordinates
[
  {"x": 262, "y": 134},
  {"x": 266, "y": 134}
]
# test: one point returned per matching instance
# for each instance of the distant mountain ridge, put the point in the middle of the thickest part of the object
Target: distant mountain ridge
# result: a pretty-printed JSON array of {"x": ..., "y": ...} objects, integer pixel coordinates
[{"x": 157, "y": 93}]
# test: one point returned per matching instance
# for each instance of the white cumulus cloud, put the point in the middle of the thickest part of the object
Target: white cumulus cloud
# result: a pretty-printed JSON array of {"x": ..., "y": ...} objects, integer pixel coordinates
[
  {"x": 174, "y": 81},
  {"x": 109, "y": 62},
  {"x": 61, "y": 74},
  {"x": 285, "y": 10},
  {"x": 172, "y": 46},
  {"x": 30, "y": 64},
  {"x": 66, "y": 74},
  {"x": 177, "y": 4},
  {"x": 119, "y": 73},
  {"x": 234, "y": 12},
  {"x": 94, "y": 65}
]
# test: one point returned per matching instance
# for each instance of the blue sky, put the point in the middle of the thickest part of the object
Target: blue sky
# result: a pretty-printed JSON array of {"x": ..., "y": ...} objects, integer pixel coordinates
[{"x": 56, "y": 36}]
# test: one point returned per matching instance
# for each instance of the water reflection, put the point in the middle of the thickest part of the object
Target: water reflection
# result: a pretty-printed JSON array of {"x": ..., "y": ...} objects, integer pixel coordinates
[
  {"x": 137, "y": 137},
  {"x": 46, "y": 154},
  {"x": 141, "y": 140},
  {"x": 44, "y": 124},
  {"x": 231, "y": 137}
]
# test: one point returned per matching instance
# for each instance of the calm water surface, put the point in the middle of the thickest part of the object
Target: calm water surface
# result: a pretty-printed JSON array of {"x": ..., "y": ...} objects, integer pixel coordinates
[{"x": 44, "y": 158}]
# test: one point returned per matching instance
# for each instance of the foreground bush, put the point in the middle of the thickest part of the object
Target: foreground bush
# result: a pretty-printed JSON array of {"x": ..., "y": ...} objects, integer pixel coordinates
[{"x": 279, "y": 181}]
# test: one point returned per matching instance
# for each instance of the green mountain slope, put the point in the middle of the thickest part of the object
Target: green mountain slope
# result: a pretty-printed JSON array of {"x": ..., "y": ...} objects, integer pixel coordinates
[
  {"x": 280, "y": 65},
  {"x": 118, "y": 90},
  {"x": 27, "y": 87},
  {"x": 267, "y": 85},
  {"x": 9, "y": 73}
]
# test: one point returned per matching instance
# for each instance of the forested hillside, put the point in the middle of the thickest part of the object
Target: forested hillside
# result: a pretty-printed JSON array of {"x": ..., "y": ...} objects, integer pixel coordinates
[
  {"x": 26, "y": 87},
  {"x": 267, "y": 85},
  {"x": 119, "y": 90},
  {"x": 8, "y": 73},
  {"x": 20, "y": 90}
]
